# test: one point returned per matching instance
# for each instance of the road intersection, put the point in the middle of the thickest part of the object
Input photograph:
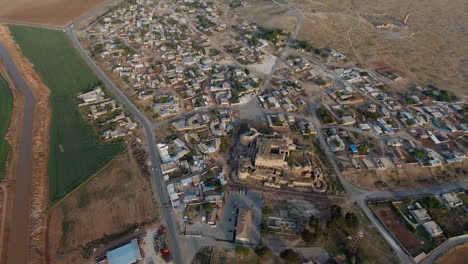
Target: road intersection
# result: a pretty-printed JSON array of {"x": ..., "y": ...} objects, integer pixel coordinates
[
  {"x": 185, "y": 247},
  {"x": 360, "y": 196}
]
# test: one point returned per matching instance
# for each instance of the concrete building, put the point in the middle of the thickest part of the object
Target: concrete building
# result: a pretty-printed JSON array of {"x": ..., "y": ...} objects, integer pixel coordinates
[
  {"x": 452, "y": 200},
  {"x": 433, "y": 228},
  {"x": 421, "y": 215}
]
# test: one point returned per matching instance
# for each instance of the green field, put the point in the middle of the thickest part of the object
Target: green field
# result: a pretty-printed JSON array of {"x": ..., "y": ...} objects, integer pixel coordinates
[
  {"x": 6, "y": 104},
  {"x": 66, "y": 74}
]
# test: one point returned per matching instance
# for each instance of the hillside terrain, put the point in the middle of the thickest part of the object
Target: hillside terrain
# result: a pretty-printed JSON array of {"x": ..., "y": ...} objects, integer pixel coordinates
[{"x": 429, "y": 49}]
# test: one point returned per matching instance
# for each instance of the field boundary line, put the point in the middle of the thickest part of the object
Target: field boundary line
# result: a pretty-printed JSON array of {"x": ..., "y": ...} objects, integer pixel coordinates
[{"x": 83, "y": 183}]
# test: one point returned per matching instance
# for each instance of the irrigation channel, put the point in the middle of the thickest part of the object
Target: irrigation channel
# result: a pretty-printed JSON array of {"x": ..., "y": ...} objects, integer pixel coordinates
[{"x": 17, "y": 245}]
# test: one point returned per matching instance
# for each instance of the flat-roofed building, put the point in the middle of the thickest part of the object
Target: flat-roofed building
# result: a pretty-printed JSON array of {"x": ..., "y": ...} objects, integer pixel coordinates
[
  {"x": 421, "y": 215},
  {"x": 433, "y": 228},
  {"x": 452, "y": 200},
  {"x": 244, "y": 225},
  {"x": 126, "y": 254}
]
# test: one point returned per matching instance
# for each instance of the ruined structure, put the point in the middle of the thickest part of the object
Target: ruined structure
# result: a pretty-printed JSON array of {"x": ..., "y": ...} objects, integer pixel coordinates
[{"x": 276, "y": 161}]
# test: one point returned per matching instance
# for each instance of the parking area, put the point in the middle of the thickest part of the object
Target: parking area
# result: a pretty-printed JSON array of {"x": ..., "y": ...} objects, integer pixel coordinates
[
  {"x": 227, "y": 215},
  {"x": 147, "y": 247}
]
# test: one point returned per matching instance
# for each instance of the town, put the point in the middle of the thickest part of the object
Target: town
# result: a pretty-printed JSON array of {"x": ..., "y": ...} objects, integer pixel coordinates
[
  {"x": 240, "y": 111},
  {"x": 233, "y": 131}
]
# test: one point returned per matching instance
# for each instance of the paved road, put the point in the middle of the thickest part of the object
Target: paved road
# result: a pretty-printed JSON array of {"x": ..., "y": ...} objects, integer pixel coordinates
[
  {"x": 19, "y": 231},
  {"x": 444, "y": 248},
  {"x": 357, "y": 194},
  {"x": 158, "y": 186}
]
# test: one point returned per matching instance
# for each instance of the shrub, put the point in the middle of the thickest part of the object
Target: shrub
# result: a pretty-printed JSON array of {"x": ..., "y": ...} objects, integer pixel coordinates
[
  {"x": 263, "y": 251},
  {"x": 290, "y": 257},
  {"x": 243, "y": 250}
]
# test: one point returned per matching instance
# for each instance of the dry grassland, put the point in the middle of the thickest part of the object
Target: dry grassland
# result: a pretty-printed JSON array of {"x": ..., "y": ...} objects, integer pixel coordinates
[
  {"x": 109, "y": 203},
  {"x": 408, "y": 176},
  {"x": 431, "y": 50}
]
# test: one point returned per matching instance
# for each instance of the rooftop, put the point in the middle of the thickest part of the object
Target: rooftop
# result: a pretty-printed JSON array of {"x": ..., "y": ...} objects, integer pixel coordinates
[{"x": 126, "y": 254}]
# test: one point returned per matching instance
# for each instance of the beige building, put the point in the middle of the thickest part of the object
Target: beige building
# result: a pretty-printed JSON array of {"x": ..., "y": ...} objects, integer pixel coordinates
[
  {"x": 244, "y": 225},
  {"x": 272, "y": 153}
]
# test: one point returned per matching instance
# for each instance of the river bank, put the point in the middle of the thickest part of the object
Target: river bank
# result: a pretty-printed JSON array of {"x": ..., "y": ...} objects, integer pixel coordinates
[{"x": 26, "y": 221}]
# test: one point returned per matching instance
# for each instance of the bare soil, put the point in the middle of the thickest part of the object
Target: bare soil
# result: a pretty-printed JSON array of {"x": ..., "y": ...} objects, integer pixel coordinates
[
  {"x": 399, "y": 229},
  {"x": 455, "y": 256},
  {"x": 412, "y": 176},
  {"x": 119, "y": 196},
  {"x": 40, "y": 148},
  {"x": 45, "y": 12}
]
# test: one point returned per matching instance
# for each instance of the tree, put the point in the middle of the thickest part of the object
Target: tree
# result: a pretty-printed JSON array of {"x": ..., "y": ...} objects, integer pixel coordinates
[
  {"x": 263, "y": 251},
  {"x": 308, "y": 236},
  {"x": 362, "y": 150},
  {"x": 266, "y": 210},
  {"x": 208, "y": 207},
  {"x": 243, "y": 250},
  {"x": 351, "y": 219},
  {"x": 444, "y": 96},
  {"x": 420, "y": 154},
  {"x": 264, "y": 228},
  {"x": 314, "y": 222},
  {"x": 290, "y": 257},
  {"x": 335, "y": 212}
]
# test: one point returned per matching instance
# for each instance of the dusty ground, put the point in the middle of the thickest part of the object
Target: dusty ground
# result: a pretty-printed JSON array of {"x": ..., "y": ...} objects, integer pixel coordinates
[
  {"x": 455, "y": 256},
  {"x": 430, "y": 50},
  {"x": 116, "y": 198},
  {"x": 42, "y": 116},
  {"x": 408, "y": 177},
  {"x": 46, "y": 12},
  {"x": 399, "y": 229}
]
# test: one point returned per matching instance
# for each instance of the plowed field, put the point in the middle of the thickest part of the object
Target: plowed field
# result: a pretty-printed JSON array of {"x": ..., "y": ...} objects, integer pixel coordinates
[{"x": 48, "y": 12}]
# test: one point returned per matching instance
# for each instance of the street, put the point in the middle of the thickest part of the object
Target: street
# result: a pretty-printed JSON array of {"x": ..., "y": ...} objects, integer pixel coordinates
[{"x": 183, "y": 248}]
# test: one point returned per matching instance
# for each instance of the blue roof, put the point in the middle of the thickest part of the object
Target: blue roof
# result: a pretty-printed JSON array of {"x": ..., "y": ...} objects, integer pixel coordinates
[
  {"x": 126, "y": 254},
  {"x": 353, "y": 148}
]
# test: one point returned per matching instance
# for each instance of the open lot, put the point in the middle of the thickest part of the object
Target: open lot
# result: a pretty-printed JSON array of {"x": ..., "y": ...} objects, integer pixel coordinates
[
  {"x": 6, "y": 104},
  {"x": 415, "y": 239},
  {"x": 111, "y": 202},
  {"x": 410, "y": 176},
  {"x": 76, "y": 152},
  {"x": 49, "y": 12},
  {"x": 398, "y": 228}
]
